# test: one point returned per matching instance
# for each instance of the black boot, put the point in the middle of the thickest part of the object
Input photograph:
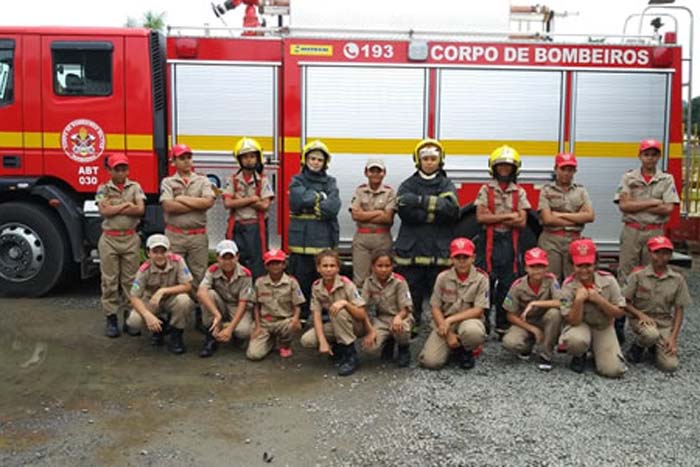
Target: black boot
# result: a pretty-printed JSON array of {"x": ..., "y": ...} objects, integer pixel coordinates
[
  {"x": 388, "y": 350},
  {"x": 128, "y": 329},
  {"x": 404, "y": 358},
  {"x": 349, "y": 364},
  {"x": 466, "y": 360},
  {"x": 112, "y": 329},
  {"x": 175, "y": 344},
  {"x": 210, "y": 346},
  {"x": 635, "y": 354},
  {"x": 578, "y": 364},
  {"x": 157, "y": 339},
  {"x": 620, "y": 329},
  {"x": 338, "y": 353}
]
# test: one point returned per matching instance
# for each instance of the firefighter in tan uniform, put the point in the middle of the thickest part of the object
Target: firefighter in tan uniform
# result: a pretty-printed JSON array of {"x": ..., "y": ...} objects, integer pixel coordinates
[
  {"x": 248, "y": 196},
  {"x": 160, "y": 295},
  {"x": 501, "y": 207},
  {"x": 186, "y": 197},
  {"x": 226, "y": 294},
  {"x": 590, "y": 302},
  {"x": 388, "y": 297},
  {"x": 646, "y": 197},
  {"x": 339, "y": 315},
  {"x": 121, "y": 204},
  {"x": 372, "y": 208},
  {"x": 533, "y": 304},
  {"x": 564, "y": 208},
  {"x": 277, "y": 309},
  {"x": 656, "y": 297},
  {"x": 460, "y": 297}
]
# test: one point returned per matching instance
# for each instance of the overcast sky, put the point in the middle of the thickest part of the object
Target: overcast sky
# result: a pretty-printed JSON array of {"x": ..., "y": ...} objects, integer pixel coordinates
[{"x": 594, "y": 16}]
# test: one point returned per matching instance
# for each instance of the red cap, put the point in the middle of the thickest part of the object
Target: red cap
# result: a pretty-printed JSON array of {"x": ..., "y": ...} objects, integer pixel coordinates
[
  {"x": 274, "y": 255},
  {"x": 659, "y": 243},
  {"x": 649, "y": 144},
  {"x": 461, "y": 246},
  {"x": 582, "y": 251},
  {"x": 180, "y": 150},
  {"x": 565, "y": 158},
  {"x": 535, "y": 256},
  {"x": 117, "y": 159}
]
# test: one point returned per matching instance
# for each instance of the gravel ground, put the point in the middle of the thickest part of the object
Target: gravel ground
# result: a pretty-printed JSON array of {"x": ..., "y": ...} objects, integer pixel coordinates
[{"x": 72, "y": 397}]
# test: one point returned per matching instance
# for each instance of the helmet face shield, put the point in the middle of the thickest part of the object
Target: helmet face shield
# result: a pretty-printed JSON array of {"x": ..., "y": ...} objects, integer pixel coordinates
[
  {"x": 316, "y": 148},
  {"x": 428, "y": 147}
]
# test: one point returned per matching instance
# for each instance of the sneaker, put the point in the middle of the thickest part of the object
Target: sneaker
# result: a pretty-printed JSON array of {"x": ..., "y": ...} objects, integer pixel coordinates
[
  {"x": 578, "y": 364},
  {"x": 286, "y": 352},
  {"x": 635, "y": 354},
  {"x": 126, "y": 329},
  {"x": 543, "y": 363},
  {"x": 525, "y": 356}
]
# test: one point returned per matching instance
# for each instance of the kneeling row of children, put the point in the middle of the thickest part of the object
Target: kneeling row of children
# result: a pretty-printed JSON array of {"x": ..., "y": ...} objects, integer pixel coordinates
[{"x": 268, "y": 312}]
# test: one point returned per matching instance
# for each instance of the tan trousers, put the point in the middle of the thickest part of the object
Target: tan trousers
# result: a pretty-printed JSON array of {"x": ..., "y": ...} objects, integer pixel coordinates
[
  {"x": 227, "y": 310},
  {"x": 119, "y": 261},
  {"x": 436, "y": 352},
  {"x": 649, "y": 336},
  {"x": 179, "y": 306},
  {"x": 194, "y": 249},
  {"x": 606, "y": 350},
  {"x": 262, "y": 344},
  {"x": 633, "y": 249},
  {"x": 363, "y": 247},
  {"x": 520, "y": 341},
  {"x": 342, "y": 329},
  {"x": 382, "y": 326},
  {"x": 557, "y": 248}
]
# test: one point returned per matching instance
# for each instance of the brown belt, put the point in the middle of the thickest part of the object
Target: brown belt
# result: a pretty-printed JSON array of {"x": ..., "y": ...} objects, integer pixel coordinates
[
  {"x": 564, "y": 233},
  {"x": 638, "y": 226},
  {"x": 370, "y": 230},
  {"x": 246, "y": 221},
  {"x": 119, "y": 233},
  {"x": 172, "y": 228}
]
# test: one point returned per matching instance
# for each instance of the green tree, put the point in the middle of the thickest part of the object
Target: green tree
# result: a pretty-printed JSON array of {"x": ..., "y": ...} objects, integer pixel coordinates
[{"x": 150, "y": 19}]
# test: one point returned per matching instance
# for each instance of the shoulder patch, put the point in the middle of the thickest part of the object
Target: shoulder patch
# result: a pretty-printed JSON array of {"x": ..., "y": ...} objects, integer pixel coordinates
[
  {"x": 399, "y": 277},
  {"x": 481, "y": 271},
  {"x": 568, "y": 279},
  {"x": 145, "y": 266},
  {"x": 388, "y": 187},
  {"x": 604, "y": 273},
  {"x": 316, "y": 282},
  {"x": 517, "y": 281},
  {"x": 345, "y": 279},
  {"x": 364, "y": 185},
  {"x": 213, "y": 268},
  {"x": 551, "y": 275},
  {"x": 638, "y": 268},
  {"x": 174, "y": 257},
  {"x": 246, "y": 271}
]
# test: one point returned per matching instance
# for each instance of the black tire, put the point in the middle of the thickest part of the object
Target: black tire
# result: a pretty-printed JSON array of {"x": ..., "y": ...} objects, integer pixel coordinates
[{"x": 33, "y": 250}]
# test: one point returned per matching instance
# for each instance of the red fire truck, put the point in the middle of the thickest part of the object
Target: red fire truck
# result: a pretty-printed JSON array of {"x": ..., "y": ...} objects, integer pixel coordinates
[{"x": 71, "y": 96}]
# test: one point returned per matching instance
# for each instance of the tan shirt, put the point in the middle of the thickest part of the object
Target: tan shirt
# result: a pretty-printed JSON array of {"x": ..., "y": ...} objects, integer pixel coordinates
[
  {"x": 132, "y": 193},
  {"x": 150, "y": 278},
  {"x": 197, "y": 186},
  {"x": 343, "y": 289},
  {"x": 238, "y": 287},
  {"x": 451, "y": 295},
  {"x": 521, "y": 294},
  {"x": 657, "y": 296},
  {"x": 607, "y": 287},
  {"x": 503, "y": 200},
  {"x": 278, "y": 299},
  {"x": 242, "y": 189},
  {"x": 661, "y": 186},
  {"x": 388, "y": 299},
  {"x": 366, "y": 199},
  {"x": 556, "y": 199}
]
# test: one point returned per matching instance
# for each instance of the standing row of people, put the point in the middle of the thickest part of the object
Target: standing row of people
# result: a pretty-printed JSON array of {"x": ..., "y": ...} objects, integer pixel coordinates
[{"x": 426, "y": 203}]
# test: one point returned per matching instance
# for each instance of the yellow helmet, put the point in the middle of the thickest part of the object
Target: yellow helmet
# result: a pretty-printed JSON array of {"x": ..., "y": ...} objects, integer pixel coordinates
[
  {"x": 428, "y": 142},
  {"x": 245, "y": 146},
  {"x": 316, "y": 145},
  {"x": 504, "y": 155}
]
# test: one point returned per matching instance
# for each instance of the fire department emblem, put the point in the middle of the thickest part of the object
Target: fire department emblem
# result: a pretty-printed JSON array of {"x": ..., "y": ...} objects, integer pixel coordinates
[
  {"x": 83, "y": 140},
  {"x": 582, "y": 249},
  {"x": 535, "y": 253}
]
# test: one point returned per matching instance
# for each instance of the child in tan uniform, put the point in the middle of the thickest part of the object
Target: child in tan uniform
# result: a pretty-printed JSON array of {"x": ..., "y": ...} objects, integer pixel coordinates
[
  {"x": 387, "y": 294},
  {"x": 277, "y": 308}
]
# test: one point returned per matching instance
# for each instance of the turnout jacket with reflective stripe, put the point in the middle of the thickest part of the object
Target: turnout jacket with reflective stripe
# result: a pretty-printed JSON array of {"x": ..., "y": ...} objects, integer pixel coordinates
[{"x": 314, "y": 202}]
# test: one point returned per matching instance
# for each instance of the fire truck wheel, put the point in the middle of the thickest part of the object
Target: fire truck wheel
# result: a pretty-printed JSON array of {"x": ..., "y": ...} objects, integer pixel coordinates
[{"x": 33, "y": 250}]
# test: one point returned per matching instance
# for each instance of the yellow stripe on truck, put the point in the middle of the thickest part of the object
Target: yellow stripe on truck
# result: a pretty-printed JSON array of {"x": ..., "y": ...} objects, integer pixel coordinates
[
  {"x": 51, "y": 140},
  {"x": 609, "y": 149}
]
